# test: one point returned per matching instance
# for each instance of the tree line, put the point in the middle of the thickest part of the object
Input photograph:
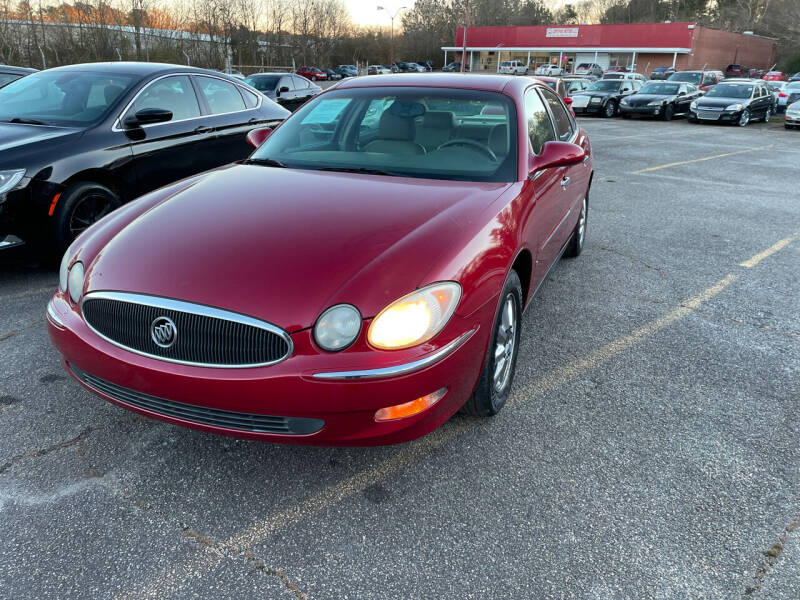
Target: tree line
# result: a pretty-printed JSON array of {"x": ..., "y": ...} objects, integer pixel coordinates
[{"x": 262, "y": 34}]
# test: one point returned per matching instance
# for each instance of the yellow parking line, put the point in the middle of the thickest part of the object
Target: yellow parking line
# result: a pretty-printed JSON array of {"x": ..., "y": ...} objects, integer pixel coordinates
[
  {"x": 696, "y": 160},
  {"x": 752, "y": 262},
  {"x": 170, "y": 581}
]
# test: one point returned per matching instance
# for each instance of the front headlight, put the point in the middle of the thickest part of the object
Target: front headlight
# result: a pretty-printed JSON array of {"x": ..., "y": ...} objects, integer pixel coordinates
[
  {"x": 595, "y": 99},
  {"x": 415, "y": 318},
  {"x": 693, "y": 105},
  {"x": 63, "y": 272},
  {"x": 734, "y": 107},
  {"x": 9, "y": 180},
  {"x": 337, "y": 327},
  {"x": 624, "y": 101},
  {"x": 656, "y": 103},
  {"x": 75, "y": 281}
]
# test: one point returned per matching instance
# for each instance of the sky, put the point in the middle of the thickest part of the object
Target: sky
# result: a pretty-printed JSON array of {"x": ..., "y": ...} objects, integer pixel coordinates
[{"x": 365, "y": 12}]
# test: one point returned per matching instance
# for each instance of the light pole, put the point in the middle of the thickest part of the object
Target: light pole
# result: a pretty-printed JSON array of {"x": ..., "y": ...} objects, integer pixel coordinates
[{"x": 392, "y": 16}]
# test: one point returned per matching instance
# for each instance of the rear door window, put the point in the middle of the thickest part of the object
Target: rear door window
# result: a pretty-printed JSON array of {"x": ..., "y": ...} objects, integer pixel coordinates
[{"x": 222, "y": 96}]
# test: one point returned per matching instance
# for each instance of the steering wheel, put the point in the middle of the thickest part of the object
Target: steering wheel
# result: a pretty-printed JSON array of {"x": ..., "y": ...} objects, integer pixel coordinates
[{"x": 471, "y": 143}]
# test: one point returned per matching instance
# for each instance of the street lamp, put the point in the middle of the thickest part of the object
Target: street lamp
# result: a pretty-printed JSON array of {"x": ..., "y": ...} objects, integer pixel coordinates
[{"x": 392, "y": 16}]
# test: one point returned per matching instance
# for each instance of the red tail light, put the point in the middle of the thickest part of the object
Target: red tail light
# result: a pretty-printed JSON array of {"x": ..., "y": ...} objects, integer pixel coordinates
[{"x": 782, "y": 95}]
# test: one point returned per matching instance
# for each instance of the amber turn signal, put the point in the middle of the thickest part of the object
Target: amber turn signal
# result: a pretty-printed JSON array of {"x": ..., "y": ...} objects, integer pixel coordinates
[{"x": 409, "y": 409}]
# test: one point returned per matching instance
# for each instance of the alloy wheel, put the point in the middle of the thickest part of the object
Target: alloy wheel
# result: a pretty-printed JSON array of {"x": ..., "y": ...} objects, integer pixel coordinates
[
  {"x": 505, "y": 344},
  {"x": 581, "y": 231},
  {"x": 88, "y": 210},
  {"x": 744, "y": 119}
]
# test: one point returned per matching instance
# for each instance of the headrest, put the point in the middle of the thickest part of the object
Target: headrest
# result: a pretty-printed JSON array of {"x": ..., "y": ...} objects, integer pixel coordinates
[
  {"x": 440, "y": 119},
  {"x": 392, "y": 127}
]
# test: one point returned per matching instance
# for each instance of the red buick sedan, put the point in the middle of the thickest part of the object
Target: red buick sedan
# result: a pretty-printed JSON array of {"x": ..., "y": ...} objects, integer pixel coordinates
[{"x": 358, "y": 280}]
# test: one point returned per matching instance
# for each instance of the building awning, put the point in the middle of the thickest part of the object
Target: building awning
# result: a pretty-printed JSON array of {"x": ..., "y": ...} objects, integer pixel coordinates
[{"x": 569, "y": 49}]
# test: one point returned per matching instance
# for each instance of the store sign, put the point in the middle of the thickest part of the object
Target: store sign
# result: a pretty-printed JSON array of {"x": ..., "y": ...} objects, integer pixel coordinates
[{"x": 561, "y": 32}]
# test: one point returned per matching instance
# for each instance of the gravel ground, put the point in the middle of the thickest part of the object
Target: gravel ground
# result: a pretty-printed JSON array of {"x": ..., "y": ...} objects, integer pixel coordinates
[{"x": 650, "y": 449}]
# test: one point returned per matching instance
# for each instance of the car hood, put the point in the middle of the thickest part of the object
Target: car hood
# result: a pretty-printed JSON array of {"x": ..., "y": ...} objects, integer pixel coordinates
[
  {"x": 284, "y": 244},
  {"x": 719, "y": 102},
  {"x": 595, "y": 94},
  {"x": 15, "y": 136},
  {"x": 641, "y": 99}
]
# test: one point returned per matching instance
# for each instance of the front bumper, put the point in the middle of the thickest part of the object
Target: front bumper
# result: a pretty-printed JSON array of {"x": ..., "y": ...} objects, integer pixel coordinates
[
  {"x": 287, "y": 390},
  {"x": 594, "y": 108},
  {"x": 723, "y": 116},
  {"x": 792, "y": 120},
  {"x": 653, "y": 111}
]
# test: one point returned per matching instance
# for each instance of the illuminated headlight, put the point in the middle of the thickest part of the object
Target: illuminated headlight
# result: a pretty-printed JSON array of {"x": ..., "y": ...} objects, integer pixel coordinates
[
  {"x": 9, "y": 180},
  {"x": 595, "y": 99},
  {"x": 693, "y": 105},
  {"x": 337, "y": 327},
  {"x": 734, "y": 107},
  {"x": 656, "y": 103},
  {"x": 415, "y": 318},
  {"x": 793, "y": 112},
  {"x": 75, "y": 281}
]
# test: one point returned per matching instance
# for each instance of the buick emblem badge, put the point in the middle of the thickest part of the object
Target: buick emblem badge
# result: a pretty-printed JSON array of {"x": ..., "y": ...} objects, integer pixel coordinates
[{"x": 163, "y": 332}]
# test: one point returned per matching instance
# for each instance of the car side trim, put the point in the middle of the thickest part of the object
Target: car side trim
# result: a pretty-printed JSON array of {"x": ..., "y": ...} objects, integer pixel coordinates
[{"x": 400, "y": 369}]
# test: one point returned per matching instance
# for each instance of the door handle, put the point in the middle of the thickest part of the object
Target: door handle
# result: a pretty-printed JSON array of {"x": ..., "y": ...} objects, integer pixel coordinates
[
  {"x": 202, "y": 129},
  {"x": 565, "y": 182}
]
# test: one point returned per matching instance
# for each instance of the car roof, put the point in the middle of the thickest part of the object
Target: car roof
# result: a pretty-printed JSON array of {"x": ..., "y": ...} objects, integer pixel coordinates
[
  {"x": 490, "y": 82},
  {"x": 141, "y": 69}
]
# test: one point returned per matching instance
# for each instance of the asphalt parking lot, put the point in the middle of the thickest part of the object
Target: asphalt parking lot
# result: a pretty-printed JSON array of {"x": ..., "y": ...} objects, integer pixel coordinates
[{"x": 650, "y": 448}]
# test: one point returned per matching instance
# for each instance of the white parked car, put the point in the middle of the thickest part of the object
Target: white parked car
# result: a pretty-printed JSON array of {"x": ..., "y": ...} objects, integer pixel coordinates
[
  {"x": 378, "y": 70},
  {"x": 792, "y": 118},
  {"x": 513, "y": 67},
  {"x": 550, "y": 70},
  {"x": 626, "y": 75},
  {"x": 589, "y": 69}
]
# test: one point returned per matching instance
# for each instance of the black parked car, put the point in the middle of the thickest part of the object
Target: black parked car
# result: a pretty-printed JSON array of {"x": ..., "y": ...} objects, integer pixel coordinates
[
  {"x": 664, "y": 99},
  {"x": 76, "y": 142},
  {"x": 287, "y": 89},
  {"x": 737, "y": 101},
  {"x": 662, "y": 72},
  {"x": 603, "y": 96},
  {"x": 9, "y": 74}
]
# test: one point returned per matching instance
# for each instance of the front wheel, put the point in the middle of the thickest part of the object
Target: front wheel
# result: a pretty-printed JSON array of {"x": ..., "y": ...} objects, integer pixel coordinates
[
  {"x": 744, "y": 118},
  {"x": 668, "y": 113},
  {"x": 313, "y": 78},
  {"x": 494, "y": 384},
  {"x": 82, "y": 204},
  {"x": 768, "y": 115},
  {"x": 610, "y": 109}
]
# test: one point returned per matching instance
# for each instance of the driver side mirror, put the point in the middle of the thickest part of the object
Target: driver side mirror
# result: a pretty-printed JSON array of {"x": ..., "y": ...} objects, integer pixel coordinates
[
  {"x": 147, "y": 116},
  {"x": 284, "y": 88},
  {"x": 556, "y": 154},
  {"x": 256, "y": 137}
]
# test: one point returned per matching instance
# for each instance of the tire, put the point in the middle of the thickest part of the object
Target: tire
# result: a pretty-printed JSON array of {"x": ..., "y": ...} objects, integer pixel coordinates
[
  {"x": 81, "y": 204},
  {"x": 610, "y": 109},
  {"x": 767, "y": 115},
  {"x": 494, "y": 383},
  {"x": 744, "y": 118},
  {"x": 576, "y": 242},
  {"x": 669, "y": 112},
  {"x": 313, "y": 78}
]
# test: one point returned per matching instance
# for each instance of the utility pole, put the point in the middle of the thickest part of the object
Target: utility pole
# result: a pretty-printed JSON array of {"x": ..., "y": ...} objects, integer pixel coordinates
[
  {"x": 464, "y": 37},
  {"x": 392, "y": 16}
]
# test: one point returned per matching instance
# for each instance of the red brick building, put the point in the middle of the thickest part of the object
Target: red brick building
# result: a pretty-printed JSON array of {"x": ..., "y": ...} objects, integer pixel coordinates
[{"x": 643, "y": 45}]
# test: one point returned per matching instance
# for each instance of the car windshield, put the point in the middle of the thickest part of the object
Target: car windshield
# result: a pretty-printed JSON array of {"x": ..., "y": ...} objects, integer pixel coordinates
[
  {"x": 263, "y": 83},
  {"x": 730, "y": 90},
  {"x": 687, "y": 77},
  {"x": 605, "y": 85},
  {"x": 793, "y": 86},
  {"x": 430, "y": 133},
  {"x": 69, "y": 99},
  {"x": 614, "y": 76},
  {"x": 661, "y": 89}
]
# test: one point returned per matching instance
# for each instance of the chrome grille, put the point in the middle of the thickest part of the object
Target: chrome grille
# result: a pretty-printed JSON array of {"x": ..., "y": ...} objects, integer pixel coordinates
[
  {"x": 709, "y": 115},
  {"x": 201, "y": 414},
  {"x": 205, "y": 336}
]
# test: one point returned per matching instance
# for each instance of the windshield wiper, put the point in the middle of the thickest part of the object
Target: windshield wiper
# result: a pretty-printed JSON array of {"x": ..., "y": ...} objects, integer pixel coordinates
[
  {"x": 265, "y": 162},
  {"x": 360, "y": 170},
  {"x": 24, "y": 121}
]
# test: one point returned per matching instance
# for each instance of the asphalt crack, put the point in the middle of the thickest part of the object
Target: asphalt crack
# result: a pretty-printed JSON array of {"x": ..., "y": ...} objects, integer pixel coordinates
[
  {"x": 14, "y": 332},
  {"x": 771, "y": 557},
  {"x": 78, "y": 439},
  {"x": 216, "y": 547}
]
